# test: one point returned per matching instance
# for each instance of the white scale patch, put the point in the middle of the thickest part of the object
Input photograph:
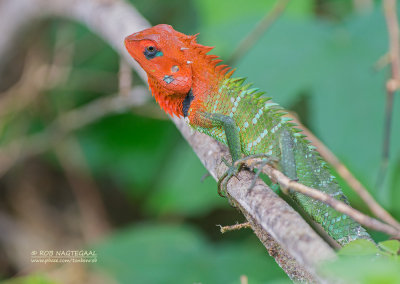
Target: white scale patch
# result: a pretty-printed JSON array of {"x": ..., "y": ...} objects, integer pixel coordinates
[
  {"x": 259, "y": 138},
  {"x": 276, "y": 127},
  {"x": 249, "y": 146},
  {"x": 235, "y": 103},
  {"x": 261, "y": 110},
  {"x": 215, "y": 106}
]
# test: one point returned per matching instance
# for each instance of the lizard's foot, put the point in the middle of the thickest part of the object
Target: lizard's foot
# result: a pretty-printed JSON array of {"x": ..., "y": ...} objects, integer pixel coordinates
[
  {"x": 238, "y": 165},
  {"x": 224, "y": 179}
]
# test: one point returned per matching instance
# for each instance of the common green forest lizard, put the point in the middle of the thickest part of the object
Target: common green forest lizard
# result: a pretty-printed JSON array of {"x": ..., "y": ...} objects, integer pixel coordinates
[{"x": 189, "y": 83}]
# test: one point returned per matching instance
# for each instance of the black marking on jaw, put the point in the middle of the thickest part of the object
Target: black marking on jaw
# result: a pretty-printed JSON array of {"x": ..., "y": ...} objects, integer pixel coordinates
[
  {"x": 151, "y": 51},
  {"x": 186, "y": 103},
  {"x": 168, "y": 79}
]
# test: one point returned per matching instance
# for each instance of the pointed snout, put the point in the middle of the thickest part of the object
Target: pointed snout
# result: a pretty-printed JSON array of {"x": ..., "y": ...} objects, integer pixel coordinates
[
  {"x": 131, "y": 43},
  {"x": 129, "y": 40},
  {"x": 132, "y": 37}
]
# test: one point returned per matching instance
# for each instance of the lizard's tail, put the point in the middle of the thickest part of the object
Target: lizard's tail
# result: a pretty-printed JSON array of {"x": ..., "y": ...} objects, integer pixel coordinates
[{"x": 315, "y": 174}]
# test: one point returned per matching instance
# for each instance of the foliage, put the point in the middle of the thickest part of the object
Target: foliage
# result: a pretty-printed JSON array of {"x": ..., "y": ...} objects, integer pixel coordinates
[{"x": 362, "y": 261}]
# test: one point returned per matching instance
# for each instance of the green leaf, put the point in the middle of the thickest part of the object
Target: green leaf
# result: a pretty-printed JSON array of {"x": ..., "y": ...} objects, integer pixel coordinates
[
  {"x": 391, "y": 246},
  {"x": 359, "y": 248},
  {"x": 367, "y": 269}
]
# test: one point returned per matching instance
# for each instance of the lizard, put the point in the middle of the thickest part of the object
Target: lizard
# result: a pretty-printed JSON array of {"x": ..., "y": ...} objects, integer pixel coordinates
[{"x": 188, "y": 82}]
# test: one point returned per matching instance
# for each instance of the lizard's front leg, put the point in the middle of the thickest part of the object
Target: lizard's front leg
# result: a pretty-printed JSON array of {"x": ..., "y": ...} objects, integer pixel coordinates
[{"x": 229, "y": 127}]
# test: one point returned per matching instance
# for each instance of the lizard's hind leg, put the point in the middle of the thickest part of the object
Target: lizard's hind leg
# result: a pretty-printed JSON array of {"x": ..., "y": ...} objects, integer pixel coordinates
[
  {"x": 288, "y": 160},
  {"x": 233, "y": 141}
]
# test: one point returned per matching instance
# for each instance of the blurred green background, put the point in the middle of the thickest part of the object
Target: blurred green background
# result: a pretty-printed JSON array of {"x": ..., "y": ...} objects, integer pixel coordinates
[{"x": 128, "y": 185}]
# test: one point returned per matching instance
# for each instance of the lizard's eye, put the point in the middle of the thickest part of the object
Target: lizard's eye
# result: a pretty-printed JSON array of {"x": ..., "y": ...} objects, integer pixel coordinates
[{"x": 151, "y": 51}]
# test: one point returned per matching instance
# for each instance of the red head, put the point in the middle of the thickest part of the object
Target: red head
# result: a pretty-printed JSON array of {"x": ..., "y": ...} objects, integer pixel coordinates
[{"x": 172, "y": 61}]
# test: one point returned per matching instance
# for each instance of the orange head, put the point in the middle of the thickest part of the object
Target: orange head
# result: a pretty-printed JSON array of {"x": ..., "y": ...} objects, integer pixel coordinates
[
  {"x": 174, "y": 63},
  {"x": 160, "y": 51}
]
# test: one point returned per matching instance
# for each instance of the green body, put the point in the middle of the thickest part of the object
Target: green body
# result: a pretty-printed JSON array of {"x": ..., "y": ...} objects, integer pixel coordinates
[{"x": 261, "y": 128}]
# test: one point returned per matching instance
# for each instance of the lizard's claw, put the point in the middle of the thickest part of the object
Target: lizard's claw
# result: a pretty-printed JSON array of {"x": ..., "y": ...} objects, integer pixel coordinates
[{"x": 232, "y": 171}]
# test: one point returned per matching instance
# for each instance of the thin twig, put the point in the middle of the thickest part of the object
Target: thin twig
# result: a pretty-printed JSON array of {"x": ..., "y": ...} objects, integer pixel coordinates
[
  {"x": 287, "y": 183},
  {"x": 38, "y": 75},
  {"x": 351, "y": 180},
  {"x": 382, "y": 62},
  {"x": 392, "y": 85},
  {"x": 244, "y": 279},
  {"x": 68, "y": 122},
  {"x": 254, "y": 35},
  {"x": 390, "y": 8},
  {"x": 27, "y": 88},
  {"x": 124, "y": 78},
  {"x": 235, "y": 227}
]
